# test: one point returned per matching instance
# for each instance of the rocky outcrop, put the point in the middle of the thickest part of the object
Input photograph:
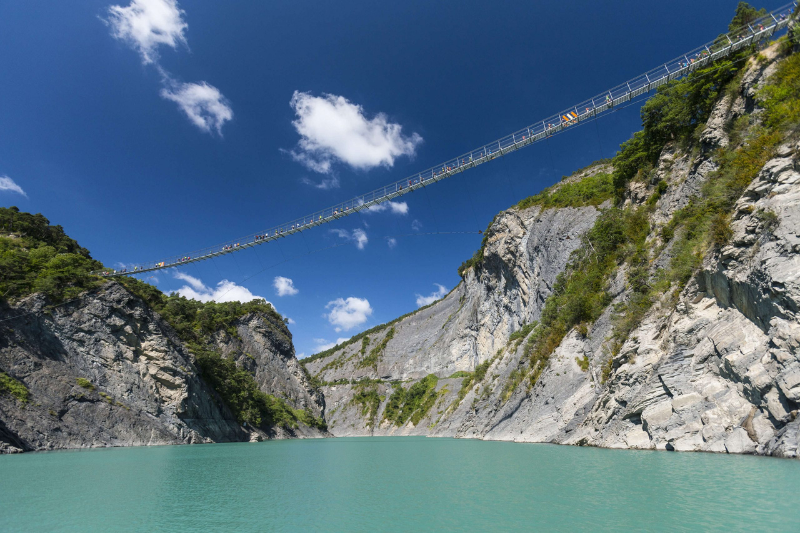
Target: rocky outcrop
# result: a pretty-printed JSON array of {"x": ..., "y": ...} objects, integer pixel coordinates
[
  {"x": 264, "y": 348},
  {"x": 715, "y": 367},
  {"x": 106, "y": 370}
]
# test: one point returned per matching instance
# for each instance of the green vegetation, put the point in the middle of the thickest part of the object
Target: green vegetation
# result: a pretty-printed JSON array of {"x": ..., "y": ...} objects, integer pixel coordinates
[
  {"x": 519, "y": 335},
  {"x": 195, "y": 322},
  {"x": 85, "y": 383},
  {"x": 744, "y": 15},
  {"x": 583, "y": 362},
  {"x": 591, "y": 190},
  {"x": 370, "y": 402},
  {"x": 474, "y": 378},
  {"x": 618, "y": 237},
  {"x": 15, "y": 388},
  {"x": 38, "y": 257},
  {"x": 355, "y": 338},
  {"x": 377, "y": 352},
  {"x": 459, "y": 374},
  {"x": 412, "y": 404},
  {"x": 677, "y": 112}
]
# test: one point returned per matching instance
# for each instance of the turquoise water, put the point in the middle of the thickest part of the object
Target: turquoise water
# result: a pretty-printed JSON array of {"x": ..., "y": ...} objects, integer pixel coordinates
[{"x": 394, "y": 484}]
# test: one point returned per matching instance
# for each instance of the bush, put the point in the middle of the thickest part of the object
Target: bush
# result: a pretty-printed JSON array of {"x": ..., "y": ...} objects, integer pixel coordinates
[
  {"x": 85, "y": 383},
  {"x": 15, "y": 388},
  {"x": 591, "y": 190},
  {"x": 377, "y": 352},
  {"x": 38, "y": 257}
]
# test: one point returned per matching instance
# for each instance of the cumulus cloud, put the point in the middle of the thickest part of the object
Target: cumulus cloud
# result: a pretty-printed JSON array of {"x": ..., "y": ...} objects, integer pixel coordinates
[
  {"x": 284, "y": 286},
  {"x": 416, "y": 225},
  {"x": 325, "y": 184},
  {"x": 146, "y": 24},
  {"x": 332, "y": 129},
  {"x": 349, "y": 313},
  {"x": 391, "y": 242},
  {"x": 323, "y": 344},
  {"x": 7, "y": 184},
  {"x": 358, "y": 236},
  {"x": 202, "y": 103},
  {"x": 396, "y": 208},
  {"x": 438, "y": 294},
  {"x": 225, "y": 291},
  {"x": 290, "y": 321}
]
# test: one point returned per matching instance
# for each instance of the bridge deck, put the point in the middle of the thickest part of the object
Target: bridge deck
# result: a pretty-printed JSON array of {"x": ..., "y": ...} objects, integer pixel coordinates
[{"x": 696, "y": 59}]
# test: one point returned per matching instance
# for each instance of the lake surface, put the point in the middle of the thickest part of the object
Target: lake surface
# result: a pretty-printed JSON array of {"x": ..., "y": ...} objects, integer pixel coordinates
[{"x": 394, "y": 484}]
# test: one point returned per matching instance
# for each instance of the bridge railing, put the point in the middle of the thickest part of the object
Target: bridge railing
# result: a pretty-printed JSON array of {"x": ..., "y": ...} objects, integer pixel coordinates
[{"x": 723, "y": 45}]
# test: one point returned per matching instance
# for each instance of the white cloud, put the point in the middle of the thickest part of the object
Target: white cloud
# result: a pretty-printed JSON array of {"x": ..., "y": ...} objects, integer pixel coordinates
[
  {"x": 358, "y": 236},
  {"x": 325, "y": 184},
  {"x": 391, "y": 242},
  {"x": 349, "y": 313},
  {"x": 396, "y": 208},
  {"x": 290, "y": 321},
  {"x": 147, "y": 24},
  {"x": 438, "y": 294},
  {"x": 416, "y": 225},
  {"x": 203, "y": 104},
  {"x": 334, "y": 129},
  {"x": 284, "y": 286},
  {"x": 225, "y": 291},
  {"x": 323, "y": 344},
  {"x": 7, "y": 184}
]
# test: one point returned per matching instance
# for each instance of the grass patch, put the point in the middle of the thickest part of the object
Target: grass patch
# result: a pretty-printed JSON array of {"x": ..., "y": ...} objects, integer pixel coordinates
[
  {"x": 412, "y": 404},
  {"x": 591, "y": 190},
  {"x": 85, "y": 383},
  {"x": 15, "y": 388},
  {"x": 377, "y": 352}
]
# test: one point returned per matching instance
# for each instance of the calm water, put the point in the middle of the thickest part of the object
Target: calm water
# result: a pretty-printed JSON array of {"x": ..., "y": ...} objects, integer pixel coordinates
[{"x": 394, "y": 484}]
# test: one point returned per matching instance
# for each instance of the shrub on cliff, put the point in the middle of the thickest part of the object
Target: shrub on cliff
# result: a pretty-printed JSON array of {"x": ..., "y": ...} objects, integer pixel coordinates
[{"x": 38, "y": 257}]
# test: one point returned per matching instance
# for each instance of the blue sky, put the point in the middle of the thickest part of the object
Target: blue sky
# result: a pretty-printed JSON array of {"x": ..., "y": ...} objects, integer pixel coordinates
[{"x": 152, "y": 128}]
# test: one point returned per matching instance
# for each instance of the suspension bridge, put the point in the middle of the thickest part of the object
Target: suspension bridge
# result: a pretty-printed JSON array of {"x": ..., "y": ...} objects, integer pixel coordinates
[{"x": 605, "y": 102}]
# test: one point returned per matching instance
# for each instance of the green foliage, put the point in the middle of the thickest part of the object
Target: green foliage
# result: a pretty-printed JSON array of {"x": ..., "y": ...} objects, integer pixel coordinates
[
  {"x": 780, "y": 97},
  {"x": 521, "y": 333},
  {"x": 85, "y": 383},
  {"x": 240, "y": 392},
  {"x": 583, "y": 362},
  {"x": 744, "y": 15},
  {"x": 591, "y": 190},
  {"x": 412, "y": 404},
  {"x": 370, "y": 402},
  {"x": 195, "y": 322},
  {"x": 38, "y": 257},
  {"x": 672, "y": 114},
  {"x": 474, "y": 378},
  {"x": 15, "y": 388},
  {"x": 355, "y": 338},
  {"x": 377, "y": 352},
  {"x": 768, "y": 219},
  {"x": 661, "y": 188},
  {"x": 459, "y": 374}
]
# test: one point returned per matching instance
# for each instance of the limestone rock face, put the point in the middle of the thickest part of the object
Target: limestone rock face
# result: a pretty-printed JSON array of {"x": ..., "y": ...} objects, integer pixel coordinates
[
  {"x": 713, "y": 368},
  {"x": 264, "y": 348},
  {"x": 106, "y": 370},
  {"x": 141, "y": 386}
]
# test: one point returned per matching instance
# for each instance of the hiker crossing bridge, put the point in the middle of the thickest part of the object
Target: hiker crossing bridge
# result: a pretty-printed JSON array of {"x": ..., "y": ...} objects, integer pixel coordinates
[{"x": 722, "y": 46}]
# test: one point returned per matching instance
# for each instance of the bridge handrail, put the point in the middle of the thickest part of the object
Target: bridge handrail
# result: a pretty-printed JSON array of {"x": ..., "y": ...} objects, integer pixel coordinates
[{"x": 722, "y": 46}]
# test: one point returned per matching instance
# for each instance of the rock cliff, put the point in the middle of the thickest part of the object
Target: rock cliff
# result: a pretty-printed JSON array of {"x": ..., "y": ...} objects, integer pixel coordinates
[
  {"x": 712, "y": 365},
  {"x": 106, "y": 370}
]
